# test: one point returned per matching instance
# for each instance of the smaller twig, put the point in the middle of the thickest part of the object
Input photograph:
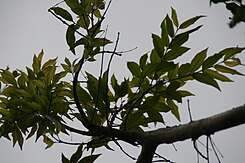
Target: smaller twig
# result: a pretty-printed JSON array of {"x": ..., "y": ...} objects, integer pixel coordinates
[
  {"x": 197, "y": 150},
  {"x": 214, "y": 148},
  {"x": 174, "y": 147},
  {"x": 64, "y": 142},
  {"x": 189, "y": 109},
  {"x": 163, "y": 158},
  {"x": 207, "y": 149},
  {"x": 121, "y": 148}
]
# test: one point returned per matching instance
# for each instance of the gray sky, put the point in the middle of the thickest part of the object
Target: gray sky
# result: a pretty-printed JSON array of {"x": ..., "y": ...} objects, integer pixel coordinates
[{"x": 27, "y": 27}]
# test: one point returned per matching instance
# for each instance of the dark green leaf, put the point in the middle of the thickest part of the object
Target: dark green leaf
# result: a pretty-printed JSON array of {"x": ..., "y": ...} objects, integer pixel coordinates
[
  {"x": 158, "y": 44},
  {"x": 174, "y": 109},
  {"x": 134, "y": 68},
  {"x": 164, "y": 33},
  {"x": 174, "y": 17},
  {"x": 173, "y": 86},
  {"x": 179, "y": 40},
  {"x": 184, "y": 93},
  {"x": 8, "y": 78},
  {"x": 175, "y": 53},
  {"x": 100, "y": 42},
  {"x": 77, "y": 155},
  {"x": 154, "y": 57},
  {"x": 170, "y": 27},
  {"x": 63, "y": 13},
  {"x": 70, "y": 37},
  {"x": 210, "y": 61},
  {"x": 198, "y": 60},
  {"x": 64, "y": 159},
  {"x": 143, "y": 60},
  {"x": 149, "y": 69},
  {"x": 206, "y": 79},
  {"x": 190, "y": 21},
  {"x": 184, "y": 70}
]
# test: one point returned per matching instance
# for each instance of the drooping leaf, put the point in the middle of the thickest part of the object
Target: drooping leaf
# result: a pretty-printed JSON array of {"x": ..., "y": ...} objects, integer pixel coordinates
[
  {"x": 48, "y": 141},
  {"x": 198, "y": 60},
  {"x": 63, "y": 13},
  {"x": 233, "y": 62},
  {"x": 217, "y": 75},
  {"x": 174, "y": 17},
  {"x": 228, "y": 70},
  {"x": 206, "y": 79},
  {"x": 190, "y": 21},
  {"x": 70, "y": 36},
  {"x": 64, "y": 159}
]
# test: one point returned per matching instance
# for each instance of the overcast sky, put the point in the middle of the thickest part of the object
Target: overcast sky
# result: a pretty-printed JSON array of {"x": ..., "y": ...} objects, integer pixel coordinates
[{"x": 27, "y": 27}]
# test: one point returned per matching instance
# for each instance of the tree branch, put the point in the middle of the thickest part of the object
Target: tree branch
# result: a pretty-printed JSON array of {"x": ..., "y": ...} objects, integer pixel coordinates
[{"x": 192, "y": 130}]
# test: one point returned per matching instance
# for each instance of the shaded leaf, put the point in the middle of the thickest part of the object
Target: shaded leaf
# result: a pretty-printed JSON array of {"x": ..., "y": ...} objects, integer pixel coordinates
[
  {"x": 170, "y": 27},
  {"x": 134, "y": 68},
  {"x": 206, "y": 79},
  {"x": 63, "y": 13},
  {"x": 174, "y": 108},
  {"x": 158, "y": 44},
  {"x": 64, "y": 159},
  {"x": 184, "y": 70},
  {"x": 48, "y": 141},
  {"x": 78, "y": 154}
]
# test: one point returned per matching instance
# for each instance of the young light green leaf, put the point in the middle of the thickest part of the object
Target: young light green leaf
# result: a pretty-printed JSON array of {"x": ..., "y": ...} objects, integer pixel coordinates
[
  {"x": 228, "y": 70},
  {"x": 233, "y": 62},
  {"x": 231, "y": 52},
  {"x": 217, "y": 75},
  {"x": 190, "y": 21},
  {"x": 206, "y": 79},
  {"x": 174, "y": 17},
  {"x": 134, "y": 68},
  {"x": 198, "y": 60},
  {"x": 63, "y": 13}
]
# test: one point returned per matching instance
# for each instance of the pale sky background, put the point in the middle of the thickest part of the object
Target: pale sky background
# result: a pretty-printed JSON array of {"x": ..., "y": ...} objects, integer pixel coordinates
[{"x": 27, "y": 27}]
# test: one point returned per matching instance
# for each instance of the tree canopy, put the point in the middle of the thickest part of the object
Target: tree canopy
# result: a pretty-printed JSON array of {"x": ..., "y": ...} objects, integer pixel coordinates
[{"x": 46, "y": 99}]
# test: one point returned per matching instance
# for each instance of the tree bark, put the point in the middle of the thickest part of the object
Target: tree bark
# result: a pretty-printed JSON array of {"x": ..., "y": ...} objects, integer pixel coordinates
[{"x": 192, "y": 130}]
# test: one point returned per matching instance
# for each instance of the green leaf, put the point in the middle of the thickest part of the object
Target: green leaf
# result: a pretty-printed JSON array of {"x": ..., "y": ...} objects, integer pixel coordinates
[
  {"x": 170, "y": 27},
  {"x": 190, "y": 21},
  {"x": 149, "y": 69},
  {"x": 64, "y": 159},
  {"x": 100, "y": 42},
  {"x": 184, "y": 70},
  {"x": 8, "y": 78},
  {"x": 210, "y": 61},
  {"x": 206, "y": 79},
  {"x": 174, "y": 17},
  {"x": 97, "y": 14},
  {"x": 89, "y": 159},
  {"x": 232, "y": 51},
  {"x": 78, "y": 154},
  {"x": 48, "y": 141},
  {"x": 134, "y": 68},
  {"x": 228, "y": 70},
  {"x": 17, "y": 137},
  {"x": 173, "y": 86},
  {"x": 143, "y": 60},
  {"x": 175, "y": 53},
  {"x": 63, "y": 13},
  {"x": 179, "y": 40},
  {"x": 184, "y": 93},
  {"x": 218, "y": 76},
  {"x": 198, "y": 60},
  {"x": 70, "y": 36},
  {"x": 158, "y": 44},
  {"x": 154, "y": 58},
  {"x": 233, "y": 62},
  {"x": 174, "y": 108},
  {"x": 164, "y": 33}
]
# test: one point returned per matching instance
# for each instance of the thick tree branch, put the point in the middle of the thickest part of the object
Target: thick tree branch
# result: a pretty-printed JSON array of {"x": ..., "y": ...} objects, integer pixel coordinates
[{"x": 192, "y": 130}]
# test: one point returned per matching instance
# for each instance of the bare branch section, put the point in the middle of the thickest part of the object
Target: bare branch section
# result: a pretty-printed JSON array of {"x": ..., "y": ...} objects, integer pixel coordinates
[{"x": 193, "y": 130}]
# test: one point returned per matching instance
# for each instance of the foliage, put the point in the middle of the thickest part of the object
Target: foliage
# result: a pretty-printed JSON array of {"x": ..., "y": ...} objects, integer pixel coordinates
[
  {"x": 236, "y": 8},
  {"x": 41, "y": 102}
]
